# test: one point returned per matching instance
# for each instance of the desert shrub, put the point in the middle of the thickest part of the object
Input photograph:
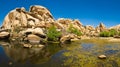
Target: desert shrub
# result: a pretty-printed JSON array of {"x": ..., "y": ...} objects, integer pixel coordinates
[
  {"x": 73, "y": 30},
  {"x": 109, "y": 33},
  {"x": 53, "y": 34},
  {"x": 104, "y": 34},
  {"x": 113, "y": 32},
  {"x": 119, "y": 33}
]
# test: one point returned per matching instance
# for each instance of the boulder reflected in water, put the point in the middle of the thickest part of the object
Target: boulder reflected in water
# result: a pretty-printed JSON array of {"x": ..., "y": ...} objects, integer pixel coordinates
[{"x": 32, "y": 55}]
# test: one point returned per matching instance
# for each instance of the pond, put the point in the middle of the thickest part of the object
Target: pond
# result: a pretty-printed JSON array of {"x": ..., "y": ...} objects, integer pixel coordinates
[{"x": 83, "y": 53}]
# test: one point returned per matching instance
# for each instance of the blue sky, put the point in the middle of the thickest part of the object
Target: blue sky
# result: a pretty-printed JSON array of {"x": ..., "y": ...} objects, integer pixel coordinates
[{"x": 89, "y": 12}]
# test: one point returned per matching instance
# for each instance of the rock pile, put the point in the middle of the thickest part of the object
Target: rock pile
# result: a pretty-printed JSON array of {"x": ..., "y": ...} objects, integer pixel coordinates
[{"x": 32, "y": 25}]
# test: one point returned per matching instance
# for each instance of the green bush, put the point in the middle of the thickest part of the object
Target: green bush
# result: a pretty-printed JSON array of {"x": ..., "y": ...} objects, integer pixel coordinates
[
  {"x": 105, "y": 34},
  {"x": 73, "y": 30},
  {"x": 113, "y": 32},
  {"x": 109, "y": 33},
  {"x": 119, "y": 33},
  {"x": 53, "y": 34}
]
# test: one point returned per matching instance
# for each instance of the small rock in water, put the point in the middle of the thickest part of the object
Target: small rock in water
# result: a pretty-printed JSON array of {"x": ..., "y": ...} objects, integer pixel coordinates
[{"x": 102, "y": 57}]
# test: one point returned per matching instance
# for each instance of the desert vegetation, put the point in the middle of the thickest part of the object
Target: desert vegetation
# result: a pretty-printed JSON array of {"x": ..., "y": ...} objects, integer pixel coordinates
[
  {"x": 53, "y": 34},
  {"x": 74, "y": 30},
  {"x": 109, "y": 33}
]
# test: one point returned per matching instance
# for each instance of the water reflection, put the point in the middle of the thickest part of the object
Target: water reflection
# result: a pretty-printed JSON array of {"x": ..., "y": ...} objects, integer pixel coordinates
[
  {"x": 28, "y": 56},
  {"x": 83, "y": 53},
  {"x": 21, "y": 55}
]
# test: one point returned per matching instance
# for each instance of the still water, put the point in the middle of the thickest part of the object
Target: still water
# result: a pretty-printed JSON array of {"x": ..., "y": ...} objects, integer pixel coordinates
[{"x": 83, "y": 53}]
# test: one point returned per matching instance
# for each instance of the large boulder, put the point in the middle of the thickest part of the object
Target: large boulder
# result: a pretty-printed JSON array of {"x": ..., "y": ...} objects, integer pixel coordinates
[
  {"x": 41, "y": 11},
  {"x": 15, "y": 18},
  {"x": 36, "y": 31},
  {"x": 4, "y": 35},
  {"x": 33, "y": 38},
  {"x": 19, "y": 17}
]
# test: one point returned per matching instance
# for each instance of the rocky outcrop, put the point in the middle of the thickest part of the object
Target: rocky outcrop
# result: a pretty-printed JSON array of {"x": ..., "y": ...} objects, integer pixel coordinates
[
  {"x": 37, "y": 16},
  {"x": 33, "y": 25},
  {"x": 100, "y": 28},
  {"x": 89, "y": 30},
  {"x": 117, "y": 27},
  {"x": 64, "y": 23},
  {"x": 21, "y": 23}
]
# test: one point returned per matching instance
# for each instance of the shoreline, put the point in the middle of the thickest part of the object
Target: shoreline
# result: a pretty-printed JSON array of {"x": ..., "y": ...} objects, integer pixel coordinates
[{"x": 109, "y": 39}]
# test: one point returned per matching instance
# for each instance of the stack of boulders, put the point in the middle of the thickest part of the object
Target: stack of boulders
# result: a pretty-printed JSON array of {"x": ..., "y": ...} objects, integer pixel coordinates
[
  {"x": 64, "y": 24},
  {"x": 89, "y": 30},
  {"x": 117, "y": 27},
  {"x": 37, "y": 16},
  {"x": 32, "y": 25},
  {"x": 100, "y": 28}
]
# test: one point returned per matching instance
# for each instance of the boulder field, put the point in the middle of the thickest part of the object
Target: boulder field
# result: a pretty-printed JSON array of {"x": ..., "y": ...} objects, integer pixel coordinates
[{"x": 32, "y": 25}]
